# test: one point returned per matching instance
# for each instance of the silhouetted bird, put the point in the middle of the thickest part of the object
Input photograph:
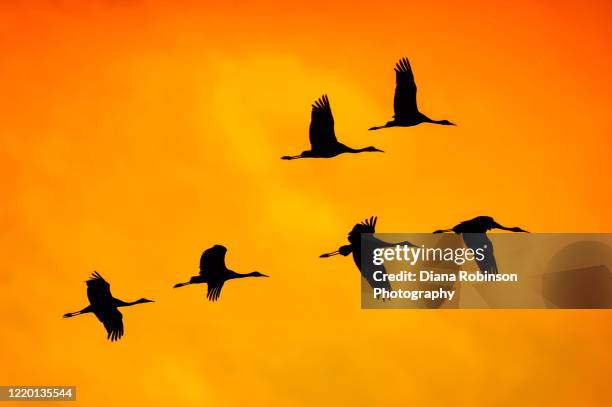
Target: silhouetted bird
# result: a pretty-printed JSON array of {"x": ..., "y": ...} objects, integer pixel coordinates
[
  {"x": 405, "y": 103},
  {"x": 355, "y": 238},
  {"x": 104, "y": 306},
  {"x": 323, "y": 142},
  {"x": 474, "y": 236},
  {"x": 214, "y": 272}
]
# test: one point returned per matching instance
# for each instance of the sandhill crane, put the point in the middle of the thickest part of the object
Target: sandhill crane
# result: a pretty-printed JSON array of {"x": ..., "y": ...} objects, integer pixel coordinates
[
  {"x": 104, "y": 306},
  {"x": 214, "y": 272},
  {"x": 474, "y": 236},
  {"x": 323, "y": 142},
  {"x": 404, "y": 102},
  {"x": 355, "y": 238}
]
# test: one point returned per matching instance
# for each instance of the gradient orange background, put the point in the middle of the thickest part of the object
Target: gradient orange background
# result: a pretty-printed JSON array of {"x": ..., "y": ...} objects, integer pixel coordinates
[{"x": 134, "y": 134}]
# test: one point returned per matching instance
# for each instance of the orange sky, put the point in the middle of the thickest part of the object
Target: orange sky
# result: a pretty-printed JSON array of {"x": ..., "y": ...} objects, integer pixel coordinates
[{"x": 137, "y": 133}]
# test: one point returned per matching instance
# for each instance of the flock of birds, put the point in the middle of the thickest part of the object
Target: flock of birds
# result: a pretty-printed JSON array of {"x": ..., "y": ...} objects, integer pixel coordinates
[
  {"x": 324, "y": 144},
  {"x": 104, "y": 306},
  {"x": 323, "y": 141}
]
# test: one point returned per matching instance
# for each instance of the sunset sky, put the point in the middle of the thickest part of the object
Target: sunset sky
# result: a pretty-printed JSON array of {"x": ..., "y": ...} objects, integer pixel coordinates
[{"x": 135, "y": 134}]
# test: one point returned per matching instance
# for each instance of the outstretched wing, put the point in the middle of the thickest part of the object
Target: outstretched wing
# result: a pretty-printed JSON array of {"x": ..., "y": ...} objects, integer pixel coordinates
[
  {"x": 369, "y": 224},
  {"x": 481, "y": 241},
  {"x": 112, "y": 320},
  {"x": 367, "y": 246},
  {"x": 214, "y": 290},
  {"x": 101, "y": 299},
  {"x": 212, "y": 264},
  {"x": 404, "y": 102},
  {"x": 98, "y": 291},
  {"x": 213, "y": 259},
  {"x": 322, "y": 135},
  {"x": 368, "y": 268},
  {"x": 368, "y": 274}
]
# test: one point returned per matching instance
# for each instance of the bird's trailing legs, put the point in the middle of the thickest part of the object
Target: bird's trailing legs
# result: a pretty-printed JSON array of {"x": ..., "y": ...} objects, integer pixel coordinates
[
  {"x": 83, "y": 311},
  {"x": 199, "y": 279},
  {"x": 343, "y": 250},
  {"x": 377, "y": 127}
]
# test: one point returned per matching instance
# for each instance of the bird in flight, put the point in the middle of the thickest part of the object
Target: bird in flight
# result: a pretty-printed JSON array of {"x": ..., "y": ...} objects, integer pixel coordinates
[
  {"x": 474, "y": 236},
  {"x": 214, "y": 272},
  {"x": 104, "y": 306},
  {"x": 323, "y": 142},
  {"x": 355, "y": 237},
  {"x": 406, "y": 112}
]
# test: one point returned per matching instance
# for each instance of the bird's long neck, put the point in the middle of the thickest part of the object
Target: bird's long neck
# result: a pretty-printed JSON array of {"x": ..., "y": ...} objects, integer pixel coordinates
[
  {"x": 120, "y": 303},
  {"x": 442, "y": 122},
  {"x": 232, "y": 275},
  {"x": 498, "y": 226},
  {"x": 357, "y": 150}
]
